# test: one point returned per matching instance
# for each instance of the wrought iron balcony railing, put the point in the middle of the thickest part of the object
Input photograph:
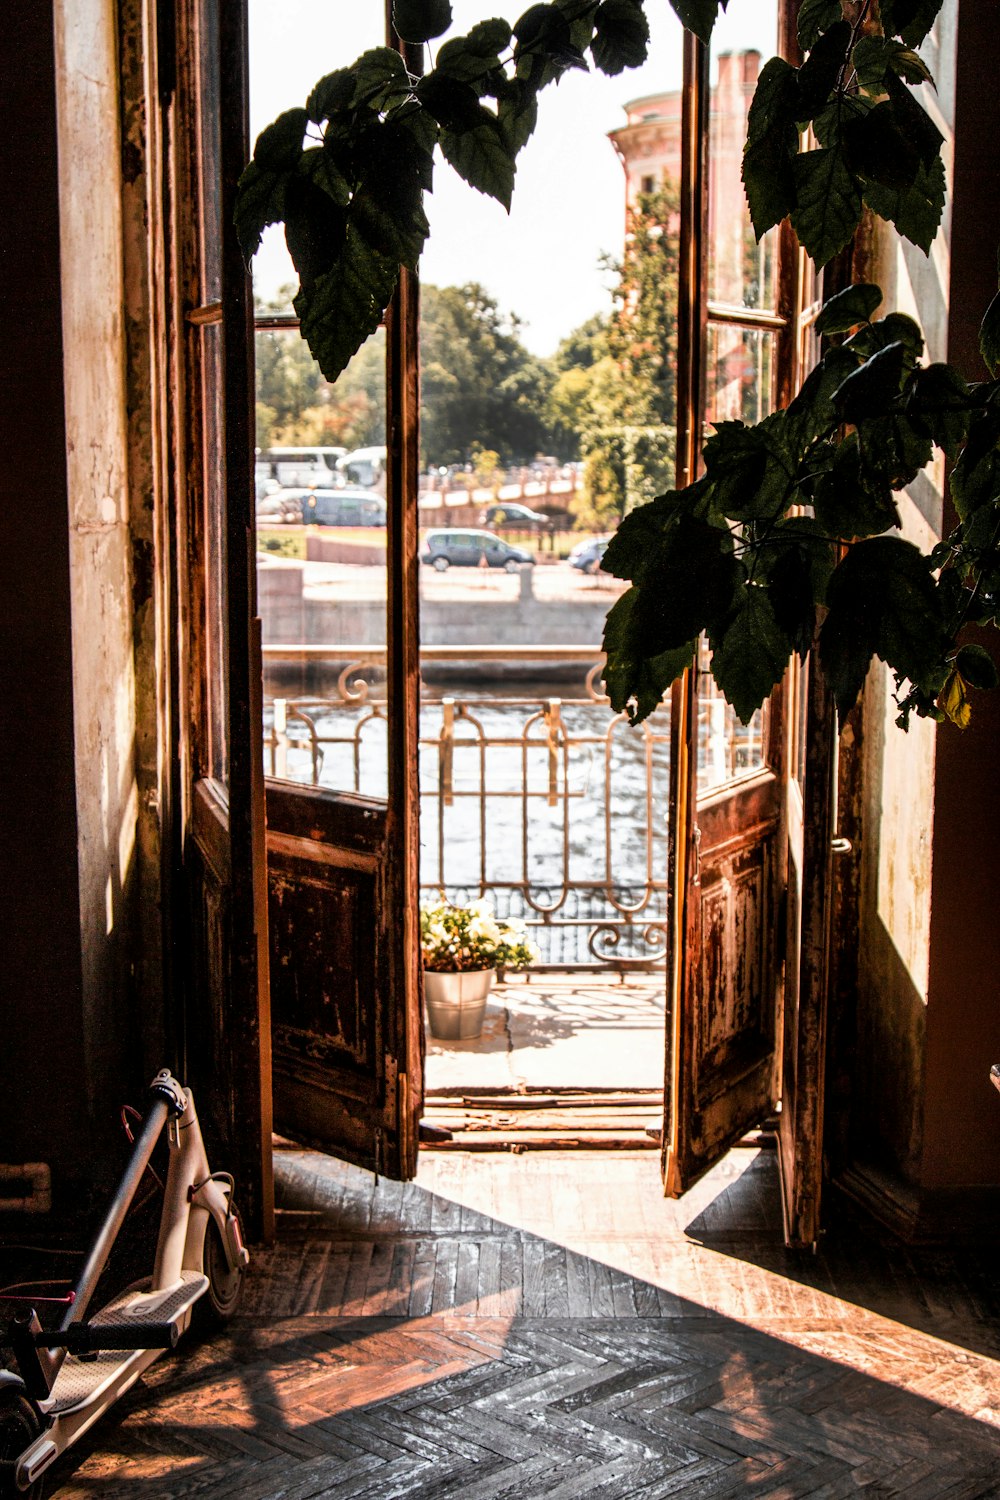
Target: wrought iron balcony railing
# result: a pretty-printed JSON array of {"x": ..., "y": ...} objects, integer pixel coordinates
[{"x": 533, "y": 792}]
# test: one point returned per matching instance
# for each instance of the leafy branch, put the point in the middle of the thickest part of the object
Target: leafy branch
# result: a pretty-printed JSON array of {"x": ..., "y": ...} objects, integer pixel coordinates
[
  {"x": 796, "y": 515},
  {"x": 794, "y": 521}
]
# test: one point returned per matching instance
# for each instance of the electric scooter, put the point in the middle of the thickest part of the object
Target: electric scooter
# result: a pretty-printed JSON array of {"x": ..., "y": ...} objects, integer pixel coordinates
[{"x": 66, "y": 1378}]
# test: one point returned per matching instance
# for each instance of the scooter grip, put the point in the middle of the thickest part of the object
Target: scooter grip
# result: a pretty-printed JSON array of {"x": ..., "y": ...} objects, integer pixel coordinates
[{"x": 88, "y": 1338}]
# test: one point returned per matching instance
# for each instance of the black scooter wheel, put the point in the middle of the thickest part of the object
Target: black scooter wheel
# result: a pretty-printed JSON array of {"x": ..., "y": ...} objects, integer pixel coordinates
[
  {"x": 19, "y": 1426},
  {"x": 225, "y": 1286}
]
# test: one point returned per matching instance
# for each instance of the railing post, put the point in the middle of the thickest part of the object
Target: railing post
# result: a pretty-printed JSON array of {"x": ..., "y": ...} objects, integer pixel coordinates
[
  {"x": 281, "y": 737},
  {"x": 446, "y": 753},
  {"x": 553, "y": 722}
]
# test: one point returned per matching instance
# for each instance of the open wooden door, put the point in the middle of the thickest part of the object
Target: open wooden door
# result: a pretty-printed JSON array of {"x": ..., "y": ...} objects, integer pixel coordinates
[
  {"x": 343, "y": 864},
  {"x": 343, "y": 877},
  {"x": 737, "y": 359}
]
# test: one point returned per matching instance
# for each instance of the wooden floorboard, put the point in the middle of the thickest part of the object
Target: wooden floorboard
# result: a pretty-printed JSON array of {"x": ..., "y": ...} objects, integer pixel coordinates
[{"x": 545, "y": 1326}]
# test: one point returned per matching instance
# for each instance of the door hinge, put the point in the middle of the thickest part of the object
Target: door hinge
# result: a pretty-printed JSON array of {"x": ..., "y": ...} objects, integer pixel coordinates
[{"x": 781, "y": 937}]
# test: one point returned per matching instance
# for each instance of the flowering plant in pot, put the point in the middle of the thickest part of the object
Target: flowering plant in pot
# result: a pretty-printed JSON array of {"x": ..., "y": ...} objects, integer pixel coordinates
[{"x": 462, "y": 948}]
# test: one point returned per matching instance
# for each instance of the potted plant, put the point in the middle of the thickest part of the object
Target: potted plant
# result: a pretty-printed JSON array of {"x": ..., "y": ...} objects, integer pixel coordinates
[{"x": 462, "y": 948}]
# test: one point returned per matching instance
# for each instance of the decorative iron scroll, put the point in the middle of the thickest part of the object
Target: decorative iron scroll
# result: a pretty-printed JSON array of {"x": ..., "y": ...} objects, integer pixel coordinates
[{"x": 551, "y": 806}]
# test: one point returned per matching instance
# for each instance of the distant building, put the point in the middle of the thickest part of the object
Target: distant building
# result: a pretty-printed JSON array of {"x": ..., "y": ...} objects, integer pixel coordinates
[{"x": 649, "y": 148}]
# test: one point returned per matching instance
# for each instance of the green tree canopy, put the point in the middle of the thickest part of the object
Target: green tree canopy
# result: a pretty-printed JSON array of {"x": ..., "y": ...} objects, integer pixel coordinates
[{"x": 479, "y": 386}]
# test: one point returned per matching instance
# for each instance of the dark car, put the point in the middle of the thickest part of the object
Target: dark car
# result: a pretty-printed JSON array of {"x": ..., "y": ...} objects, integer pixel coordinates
[
  {"x": 587, "y": 555},
  {"x": 343, "y": 508},
  {"x": 471, "y": 549},
  {"x": 518, "y": 517}
]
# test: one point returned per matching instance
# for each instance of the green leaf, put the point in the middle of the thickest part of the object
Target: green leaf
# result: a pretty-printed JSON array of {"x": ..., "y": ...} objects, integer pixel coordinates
[
  {"x": 797, "y": 561},
  {"x": 279, "y": 147},
  {"x": 260, "y": 201},
  {"x": 698, "y": 16},
  {"x": 879, "y": 151},
  {"x": 317, "y": 163},
  {"x": 689, "y": 585},
  {"x": 748, "y": 469},
  {"x": 811, "y": 413},
  {"x": 749, "y": 653},
  {"x": 894, "y": 328},
  {"x": 771, "y": 146},
  {"x": 977, "y": 667},
  {"x": 910, "y": 19},
  {"x": 846, "y": 503},
  {"x": 379, "y": 76},
  {"x": 894, "y": 449},
  {"x": 828, "y": 207},
  {"x": 989, "y": 336},
  {"x": 873, "y": 387},
  {"x": 940, "y": 400},
  {"x": 454, "y": 104},
  {"x": 818, "y": 76},
  {"x": 882, "y": 602},
  {"x": 420, "y": 20},
  {"x": 545, "y": 47},
  {"x": 483, "y": 157},
  {"x": 874, "y": 56},
  {"x": 917, "y": 211},
  {"x": 855, "y": 304},
  {"x": 471, "y": 58},
  {"x": 913, "y": 121},
  {"x": 635, "y": 683},
  {"x": 815, "y": 17},
  {"x": 517, "y": 111},
  {"x": 975, "y": 479},
  {"x": 636, "y": 543},
  {"x": 315, "y": 227},
  {"x": 621, "y": 36},
  {"x": 332, "y": 94},
  {"x": 344, "y": 306}
]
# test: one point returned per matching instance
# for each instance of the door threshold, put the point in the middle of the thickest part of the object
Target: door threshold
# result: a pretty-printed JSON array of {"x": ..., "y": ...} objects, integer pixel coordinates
[{"x": 540, "y": 1119}]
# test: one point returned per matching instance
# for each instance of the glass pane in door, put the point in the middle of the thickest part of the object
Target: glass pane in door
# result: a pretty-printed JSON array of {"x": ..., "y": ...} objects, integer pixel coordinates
[
  {"x": 320, "y": 472},
  {"x": 741, "y": 273}
]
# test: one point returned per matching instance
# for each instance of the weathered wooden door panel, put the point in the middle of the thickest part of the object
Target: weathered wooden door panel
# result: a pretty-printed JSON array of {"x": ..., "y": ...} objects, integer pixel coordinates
[
  {"x": 722, "y": 1076},
  {"x": 335, "y": 976}
]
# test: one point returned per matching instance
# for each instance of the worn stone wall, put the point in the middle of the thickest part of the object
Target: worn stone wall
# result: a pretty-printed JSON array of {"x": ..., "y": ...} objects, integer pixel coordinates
[
  {"x": 928, "y": 1024},
  {"x": 87, "y": 96}
]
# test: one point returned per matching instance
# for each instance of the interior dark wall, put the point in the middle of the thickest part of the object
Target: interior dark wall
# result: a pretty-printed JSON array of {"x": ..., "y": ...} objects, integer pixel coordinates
[
  {"x": 43, "y": 1114},
  {"x": 962, "y": 1111}
]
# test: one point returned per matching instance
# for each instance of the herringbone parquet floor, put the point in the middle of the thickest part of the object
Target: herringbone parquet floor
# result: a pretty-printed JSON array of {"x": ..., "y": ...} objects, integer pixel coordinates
[{"x": 549, "y": 1325}]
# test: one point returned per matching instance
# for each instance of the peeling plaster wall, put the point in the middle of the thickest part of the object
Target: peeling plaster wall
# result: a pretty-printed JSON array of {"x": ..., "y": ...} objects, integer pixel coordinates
[
  {"x": 87, "y": 94},
  {"x": 928, "y": 1019}
]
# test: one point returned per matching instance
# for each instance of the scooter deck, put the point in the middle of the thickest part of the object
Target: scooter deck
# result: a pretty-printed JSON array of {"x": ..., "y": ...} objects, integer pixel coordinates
[{"x": 82, "y": 1378}]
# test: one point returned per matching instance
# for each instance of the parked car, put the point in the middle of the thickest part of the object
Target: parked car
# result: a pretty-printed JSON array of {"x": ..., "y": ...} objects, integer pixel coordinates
[
  {"x": 279, "y": 505},
  {"x": 343, "y": 508},
  {"x": 507, "y": 513},
  {"x": 587, "y": 555},
  {"x": 472, "y": 549}
]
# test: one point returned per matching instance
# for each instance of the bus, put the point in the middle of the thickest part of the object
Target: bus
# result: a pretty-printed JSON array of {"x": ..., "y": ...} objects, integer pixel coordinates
[{"x": 299, "y": 466}]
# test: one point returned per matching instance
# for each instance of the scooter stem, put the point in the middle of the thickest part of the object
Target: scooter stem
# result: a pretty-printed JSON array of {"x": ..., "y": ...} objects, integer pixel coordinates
[{"x": 100, "y": 1249}]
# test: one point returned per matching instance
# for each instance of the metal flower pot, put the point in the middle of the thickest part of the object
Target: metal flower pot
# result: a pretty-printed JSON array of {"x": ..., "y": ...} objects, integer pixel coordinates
[{"x": 456, "y": 1002}]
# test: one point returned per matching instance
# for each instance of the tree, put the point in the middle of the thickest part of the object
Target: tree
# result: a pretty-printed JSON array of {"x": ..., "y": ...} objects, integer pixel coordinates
[
  {"x": 296, "y": 405},
  {"x": 479, "y": 386},
  {"x": 615, "y": 391}
]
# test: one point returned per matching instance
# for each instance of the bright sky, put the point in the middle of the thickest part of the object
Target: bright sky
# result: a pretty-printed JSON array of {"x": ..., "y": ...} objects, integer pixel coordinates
[{"x": 569, "y": 195}]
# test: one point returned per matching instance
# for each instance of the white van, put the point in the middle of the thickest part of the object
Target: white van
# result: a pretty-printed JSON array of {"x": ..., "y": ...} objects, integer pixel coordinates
[
  {"x": 364, "y": 467},
  {"x": 302, "y": 466}
]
